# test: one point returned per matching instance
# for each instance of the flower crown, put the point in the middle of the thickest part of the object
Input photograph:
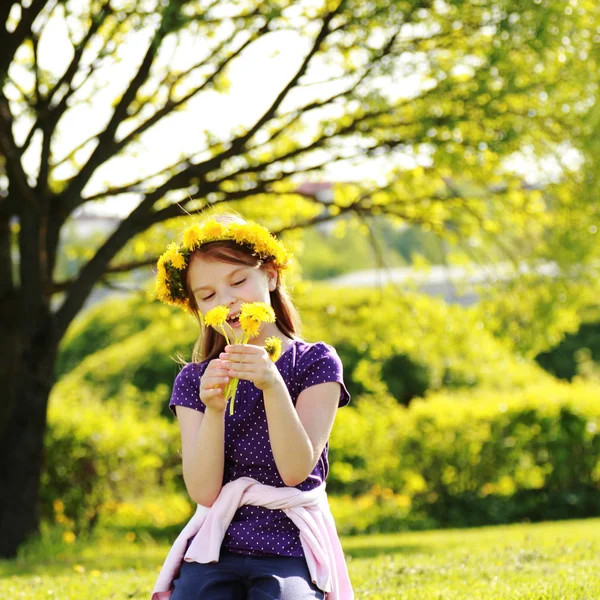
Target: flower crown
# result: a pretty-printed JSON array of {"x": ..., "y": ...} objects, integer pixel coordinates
[{"x": 173, "y": 263}]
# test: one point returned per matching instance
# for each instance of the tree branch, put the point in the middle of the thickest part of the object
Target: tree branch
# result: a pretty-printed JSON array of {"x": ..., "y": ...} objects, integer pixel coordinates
[
  {"x": 14, "y": 169},
  {"x": 10, "y": 42},
  {"x": 171, "y": 105},
  {"x": 237, "y": 145},
  {"x": 67, "y": 77},
  {"x": 63, "y": 286},
  {"x": 48, "y": 115},
  {"x": 106, "y": 140},
  {"x": 94, "y": 269}
]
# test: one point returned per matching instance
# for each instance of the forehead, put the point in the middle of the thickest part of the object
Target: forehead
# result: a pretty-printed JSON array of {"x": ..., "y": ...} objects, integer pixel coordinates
[{"x": 204, "y": 272}]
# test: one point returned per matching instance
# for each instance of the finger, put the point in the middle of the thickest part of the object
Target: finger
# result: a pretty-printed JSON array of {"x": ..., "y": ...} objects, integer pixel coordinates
[
  {"x": 237, "y": 356},
  {"x": 211, "y": 394},
  {"x": 243, "y": 349},
  {"x": 242, "y": 371},
  {"x": 211, "y": 382},
  {"x": 220, "y": 385},
  {"x": 229, "y": 359},
  {"x": 215, "y": 382},
  {"x": 213, "y": 365},
  {"x": 220, "y": 372}
]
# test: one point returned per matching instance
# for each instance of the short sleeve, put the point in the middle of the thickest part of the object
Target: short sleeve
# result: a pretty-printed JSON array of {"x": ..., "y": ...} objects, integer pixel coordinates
[
  {"x": 321, "y": 364},
  {"x": 186, "y": 388}
]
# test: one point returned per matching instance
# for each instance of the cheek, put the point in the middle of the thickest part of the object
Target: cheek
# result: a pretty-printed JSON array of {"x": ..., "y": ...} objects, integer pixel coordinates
[
  {"x": 204, "y": 307},
  {"x": 257, "y": 288}
]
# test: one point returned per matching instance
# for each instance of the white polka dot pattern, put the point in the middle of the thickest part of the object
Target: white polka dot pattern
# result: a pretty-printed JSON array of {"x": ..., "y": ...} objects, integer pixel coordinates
[{"x": 257, "y": 530}]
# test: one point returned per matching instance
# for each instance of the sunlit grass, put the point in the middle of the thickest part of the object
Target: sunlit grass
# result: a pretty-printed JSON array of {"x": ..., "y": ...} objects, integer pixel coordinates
[{"x": 546, "y": 561}]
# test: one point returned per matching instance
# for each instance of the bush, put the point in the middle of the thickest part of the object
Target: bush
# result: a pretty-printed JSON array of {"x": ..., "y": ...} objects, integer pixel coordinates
[
  {"x": 407, "y": 344},
  {"x": 96, "y": 451},
  {"x": 400, "y": 345},
  {"x": 564, "y": 360},
  {"x": 104, "y": 324},
  {"x": 486, "y": 457},
  {"x": 146, "y": 360}
]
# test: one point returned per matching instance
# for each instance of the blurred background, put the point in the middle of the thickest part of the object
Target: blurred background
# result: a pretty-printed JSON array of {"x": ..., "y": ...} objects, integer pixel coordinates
[{"x": 434, "y": 165}]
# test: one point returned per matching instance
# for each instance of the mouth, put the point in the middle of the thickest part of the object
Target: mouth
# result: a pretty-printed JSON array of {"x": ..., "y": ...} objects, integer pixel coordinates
[{"x": 234, "y": 319}]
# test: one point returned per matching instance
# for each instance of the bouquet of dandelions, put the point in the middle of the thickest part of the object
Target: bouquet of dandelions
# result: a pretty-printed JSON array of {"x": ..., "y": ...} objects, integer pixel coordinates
[{"x": 252, "y": 315}]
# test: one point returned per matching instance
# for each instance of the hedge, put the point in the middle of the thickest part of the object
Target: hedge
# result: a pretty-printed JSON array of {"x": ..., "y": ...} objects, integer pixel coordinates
[
  {"x": 400, "y": 345},
  {"x": 448, "y": 460},
  {"x": 483, "y": 457},
  {"x": 99, "y": 451}
]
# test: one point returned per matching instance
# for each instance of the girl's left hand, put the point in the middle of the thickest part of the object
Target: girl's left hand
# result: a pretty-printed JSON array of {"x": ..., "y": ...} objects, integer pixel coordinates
[{"x": 246, "y": 361}]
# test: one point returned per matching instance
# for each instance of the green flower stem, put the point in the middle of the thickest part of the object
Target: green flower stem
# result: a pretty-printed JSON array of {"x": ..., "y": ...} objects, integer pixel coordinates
[
  {"x": 233, "y": 384},
  {"x": 225, "y": 332}
]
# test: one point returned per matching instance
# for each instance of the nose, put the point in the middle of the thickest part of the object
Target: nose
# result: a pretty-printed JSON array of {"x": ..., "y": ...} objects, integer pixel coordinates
[{"x": 228, "y": 299}]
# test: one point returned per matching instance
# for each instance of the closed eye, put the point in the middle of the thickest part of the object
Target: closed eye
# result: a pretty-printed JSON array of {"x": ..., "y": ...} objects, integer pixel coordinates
[
  {"x": 207, "y": 297},
  {"x": 239, "y": 282}
]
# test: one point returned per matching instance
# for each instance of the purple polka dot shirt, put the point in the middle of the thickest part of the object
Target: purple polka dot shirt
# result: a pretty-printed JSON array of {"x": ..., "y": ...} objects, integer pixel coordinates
[{"x": 255, "y": 530}]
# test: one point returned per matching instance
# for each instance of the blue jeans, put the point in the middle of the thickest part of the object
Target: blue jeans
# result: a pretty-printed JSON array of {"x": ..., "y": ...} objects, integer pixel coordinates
[{"x": 241, "y": 577}]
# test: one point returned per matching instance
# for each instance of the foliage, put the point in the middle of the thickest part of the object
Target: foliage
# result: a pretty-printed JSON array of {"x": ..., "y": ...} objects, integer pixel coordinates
[
  {"x": 404, "y": 343},
  {"x": 567, "y": 359},
  {"x": 478, "y": 457},
  {"x": 100, "y": 450},
  {"x": 377, "y": 444},
  {"x": 429, "y": 153},
  {"x": 141, "y": 345},
  {"x": 492, "y": 563},
  {"x": 533, "y": 313},
  {"x": 324, "y": 253},
  {"x": 84, "y": 125},
  {"x": 389, "y": 343},
  {"x": 111, "y": 321}
]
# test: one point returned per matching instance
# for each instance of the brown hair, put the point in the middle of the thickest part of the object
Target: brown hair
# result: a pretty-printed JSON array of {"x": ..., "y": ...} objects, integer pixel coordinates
[{"x": 210, "y": 343}]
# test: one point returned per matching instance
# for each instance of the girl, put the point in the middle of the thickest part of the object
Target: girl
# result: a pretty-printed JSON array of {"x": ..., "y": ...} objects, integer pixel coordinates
[{"x": 263, "y": 529}]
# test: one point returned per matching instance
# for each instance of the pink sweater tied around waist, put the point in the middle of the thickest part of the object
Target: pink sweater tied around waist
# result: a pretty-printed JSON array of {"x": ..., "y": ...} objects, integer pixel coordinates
[{"x": 309, "y": 511}]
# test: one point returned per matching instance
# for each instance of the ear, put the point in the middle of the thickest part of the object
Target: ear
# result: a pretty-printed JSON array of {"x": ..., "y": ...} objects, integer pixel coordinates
[{"x": 272, "y": 277}]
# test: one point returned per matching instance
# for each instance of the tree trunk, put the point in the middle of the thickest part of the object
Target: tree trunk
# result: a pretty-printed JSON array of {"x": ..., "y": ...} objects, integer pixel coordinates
[{"x": 26, "y": 378}]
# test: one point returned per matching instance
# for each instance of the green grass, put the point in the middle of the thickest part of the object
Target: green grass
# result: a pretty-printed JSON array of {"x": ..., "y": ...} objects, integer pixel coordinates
[{"x": 545, "y": 561}]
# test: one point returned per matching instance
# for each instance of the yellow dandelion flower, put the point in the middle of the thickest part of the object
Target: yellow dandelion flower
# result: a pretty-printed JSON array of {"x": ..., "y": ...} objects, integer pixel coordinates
[
  {"x": 237, "y": 232},
  {"x": 172, "y": 255},
  {"x": 273, "y": 347},
  {"x": 192, "y": 236},
  {"x": 259, "y": 311},
  {"x": 160, "y": 287},
  {"x": 130, "y": 536},
  {"x": 250, "y": 326},
  {"x": 256, "y": 235},
  {"x": 216, "y": 316},
  {"x": 68, "y": 537},
  {"x": 213, "y": 230}
]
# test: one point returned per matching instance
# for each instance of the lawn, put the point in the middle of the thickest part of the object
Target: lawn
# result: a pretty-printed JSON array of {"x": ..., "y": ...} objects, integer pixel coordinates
[{"x": 545, "y": 561}]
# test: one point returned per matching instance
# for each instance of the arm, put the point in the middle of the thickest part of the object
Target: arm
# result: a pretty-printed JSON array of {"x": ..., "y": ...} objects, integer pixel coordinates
[
  {"x": 203, "y": 442},
  {"x": 203, "y": 437},
  {"x": 298, "y": 434}
]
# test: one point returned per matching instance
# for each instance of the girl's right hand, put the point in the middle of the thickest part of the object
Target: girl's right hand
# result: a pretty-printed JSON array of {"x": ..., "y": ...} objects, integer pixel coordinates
[{"x": 212, "y": 386}]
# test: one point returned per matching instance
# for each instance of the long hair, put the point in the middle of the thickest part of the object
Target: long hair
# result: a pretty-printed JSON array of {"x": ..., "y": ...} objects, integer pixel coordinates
[{"x": 210, "y": 343}]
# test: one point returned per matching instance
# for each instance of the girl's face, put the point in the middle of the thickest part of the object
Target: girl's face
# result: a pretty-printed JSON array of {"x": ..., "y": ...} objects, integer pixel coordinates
[{"x": 213, "y": 283}]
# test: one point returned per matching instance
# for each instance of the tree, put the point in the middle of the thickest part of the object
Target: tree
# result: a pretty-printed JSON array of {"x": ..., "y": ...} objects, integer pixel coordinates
[{"x": 492, "y": 77}]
